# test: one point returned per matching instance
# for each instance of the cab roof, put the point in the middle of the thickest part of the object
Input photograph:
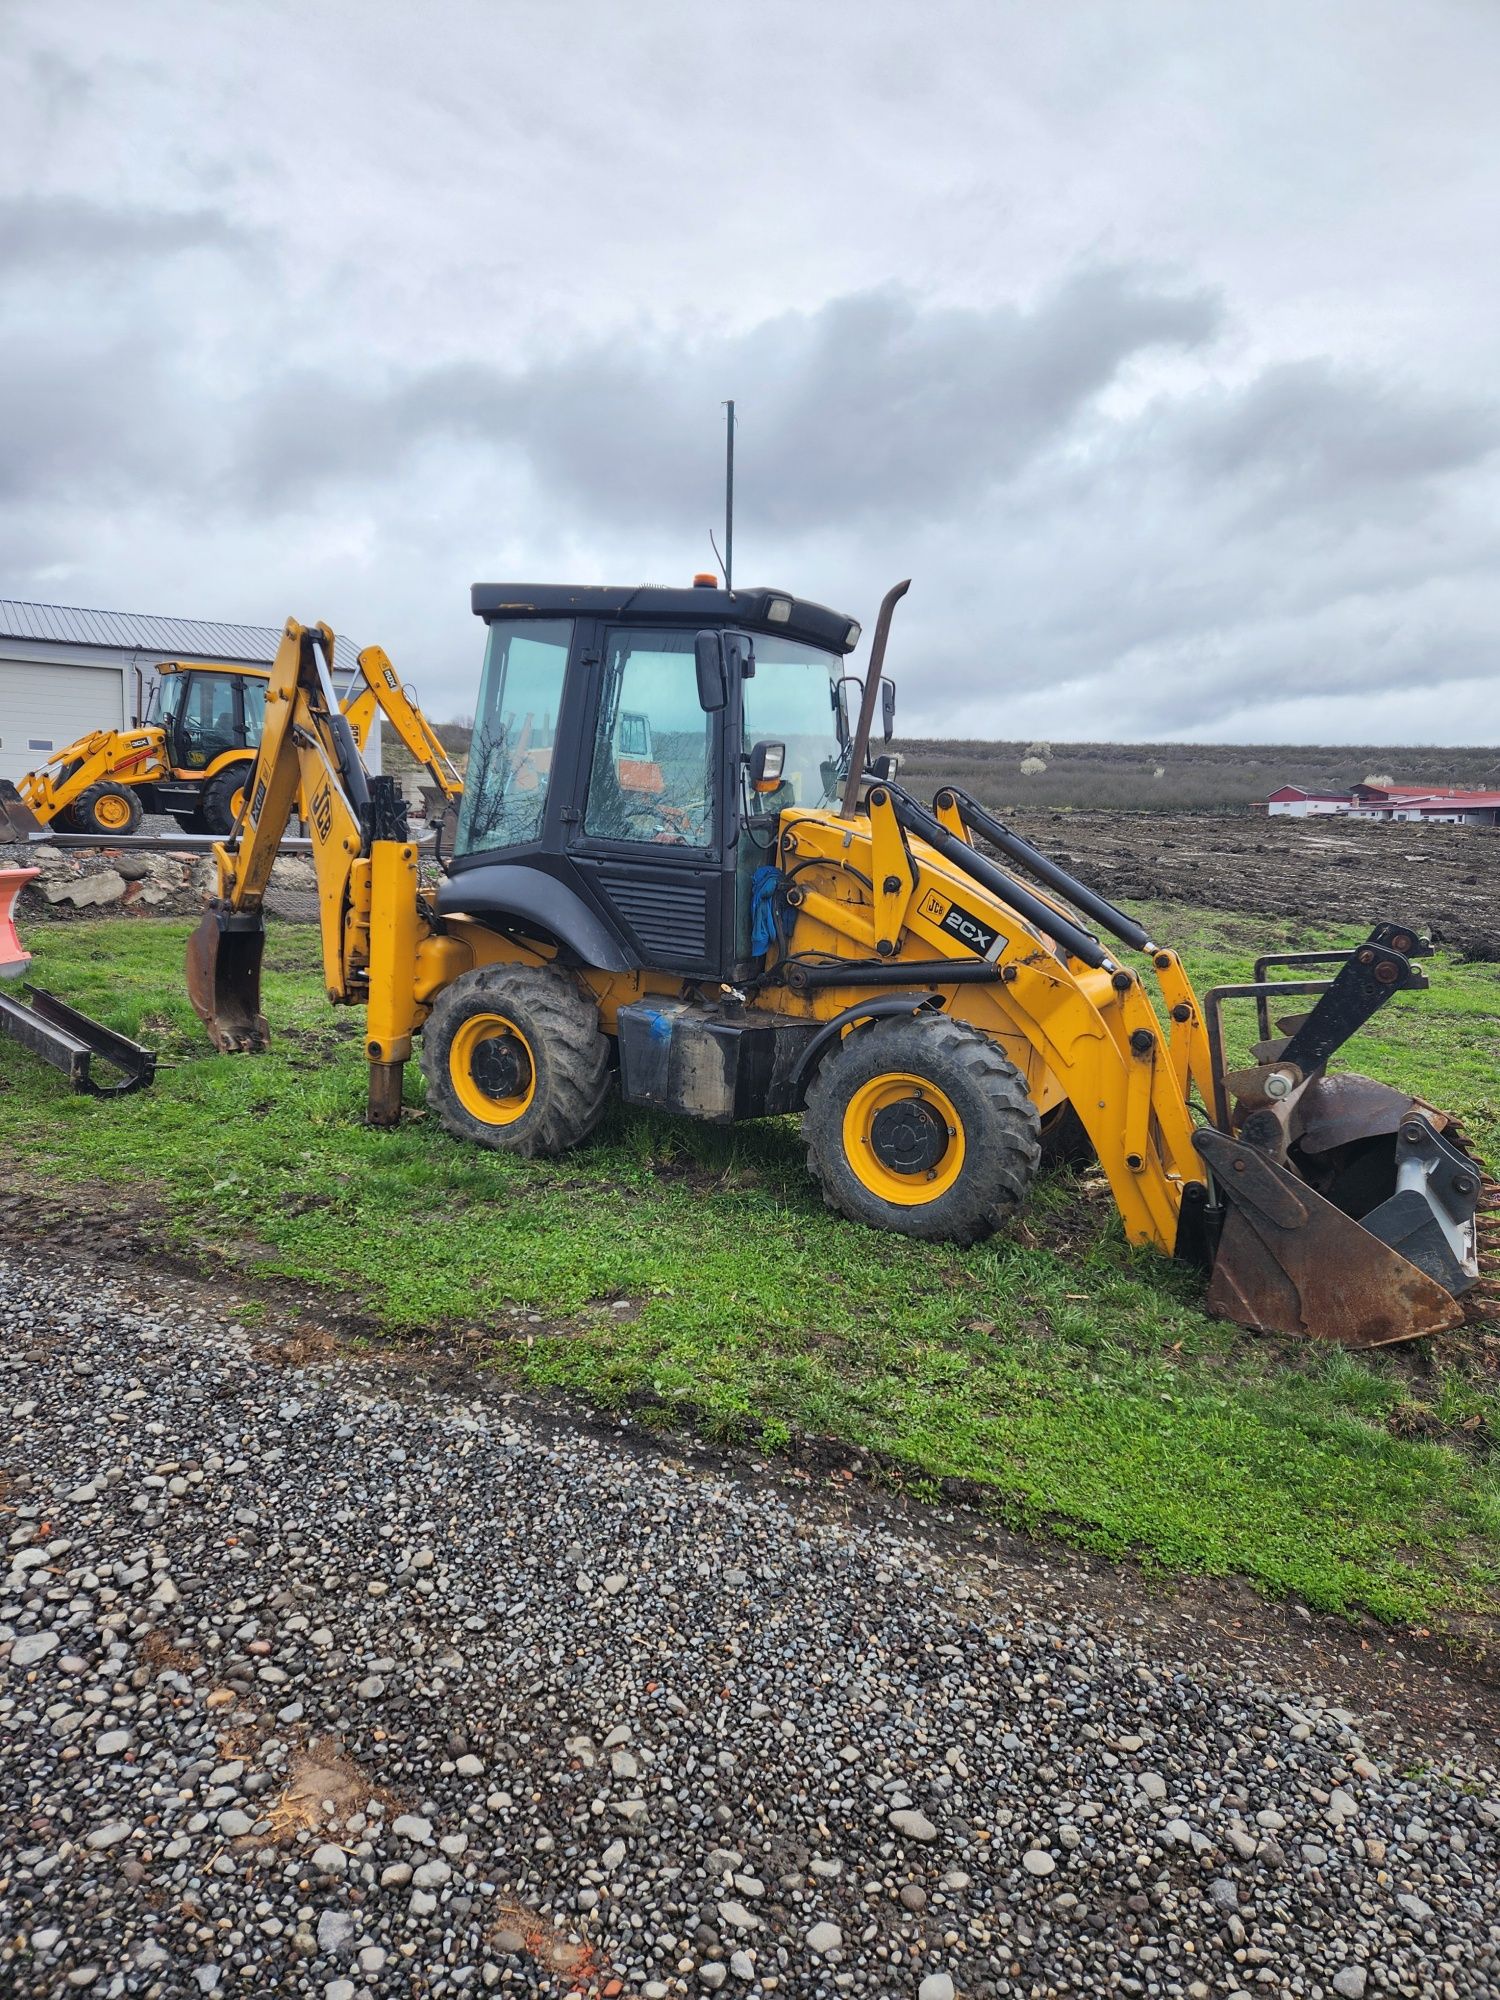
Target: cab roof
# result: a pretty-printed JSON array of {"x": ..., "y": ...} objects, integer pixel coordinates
[{"x": 655, "y": 604}]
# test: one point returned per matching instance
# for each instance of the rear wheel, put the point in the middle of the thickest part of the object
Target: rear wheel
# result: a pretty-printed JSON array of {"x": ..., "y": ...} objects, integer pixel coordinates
[
  {"x": 222, "y": 799},
  {"x": 106, "y": 809},
  {"x": 924, "y": 1127},
  {"x": 514, "y": 1059}
]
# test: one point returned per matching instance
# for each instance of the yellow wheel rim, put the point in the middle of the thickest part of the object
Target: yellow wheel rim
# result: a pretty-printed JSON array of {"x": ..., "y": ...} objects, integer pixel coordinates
[
  {"x": 237, "y": 802},
  {"x": 110, "y": 813},
  {"x": 492, "y": 1069},
  {"x": 904, "y": 1139}
]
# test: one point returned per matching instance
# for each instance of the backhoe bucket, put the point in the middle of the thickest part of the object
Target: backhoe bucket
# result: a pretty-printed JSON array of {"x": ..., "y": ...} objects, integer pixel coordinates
[{"x": 223, "y": 979}]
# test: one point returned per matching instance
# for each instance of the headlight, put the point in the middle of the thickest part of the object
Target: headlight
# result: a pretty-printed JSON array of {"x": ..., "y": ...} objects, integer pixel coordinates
[
  {"x": 779, "y": 610},
  {"x": 851, "y": 638}
]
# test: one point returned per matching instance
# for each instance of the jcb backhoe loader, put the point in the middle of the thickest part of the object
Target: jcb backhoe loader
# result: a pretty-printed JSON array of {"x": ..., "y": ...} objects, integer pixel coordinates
[
  {"x": 777, "y": 927},
  {"x": 189, "y": 757}
]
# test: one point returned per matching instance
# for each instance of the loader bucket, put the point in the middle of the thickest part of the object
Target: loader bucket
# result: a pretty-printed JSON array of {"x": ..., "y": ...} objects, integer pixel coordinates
[
  {"x": 17, "y": 820},
  {"x": 1347, "y": 1209},
  {"x": 1288, "y": 1261},
  {"x": 223, "y": 979}
]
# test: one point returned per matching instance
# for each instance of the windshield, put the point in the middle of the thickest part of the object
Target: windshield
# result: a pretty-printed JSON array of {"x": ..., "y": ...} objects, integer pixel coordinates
[
  {"x": 165, "y": 696},
  {"x": 792, "y": 698}
]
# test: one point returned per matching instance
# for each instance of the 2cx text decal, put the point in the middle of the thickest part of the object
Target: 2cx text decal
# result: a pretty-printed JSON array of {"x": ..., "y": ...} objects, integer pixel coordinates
[{"x": 971, "y": 931}]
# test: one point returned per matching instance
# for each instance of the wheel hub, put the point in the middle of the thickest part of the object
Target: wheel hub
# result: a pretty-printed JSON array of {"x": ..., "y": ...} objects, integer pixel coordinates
[
  {"x": 909, "y": 1137},
  {"x": 500, "y": 1067}
]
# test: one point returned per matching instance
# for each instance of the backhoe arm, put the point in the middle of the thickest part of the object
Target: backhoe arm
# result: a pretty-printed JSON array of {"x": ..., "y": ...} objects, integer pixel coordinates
[
  {"x": 306, "y": 750},
  {"x": 371, "y": 917},
  {"x": 384, "y": 693}
]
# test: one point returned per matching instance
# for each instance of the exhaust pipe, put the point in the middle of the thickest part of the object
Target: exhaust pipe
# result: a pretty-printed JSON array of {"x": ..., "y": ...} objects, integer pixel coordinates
[{"x": 223, "y": 979}]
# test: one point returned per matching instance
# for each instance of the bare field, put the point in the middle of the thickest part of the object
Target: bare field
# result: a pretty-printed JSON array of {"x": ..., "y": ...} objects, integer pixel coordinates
[
  {"x": 1444, "y": 880},
  {"x": 1177, "y": 777}
]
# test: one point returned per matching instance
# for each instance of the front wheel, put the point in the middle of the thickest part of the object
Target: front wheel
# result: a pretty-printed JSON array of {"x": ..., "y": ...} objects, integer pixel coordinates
[
  {"x": 515, "y": 1060},
  {"x": 923, "y": 1127}
]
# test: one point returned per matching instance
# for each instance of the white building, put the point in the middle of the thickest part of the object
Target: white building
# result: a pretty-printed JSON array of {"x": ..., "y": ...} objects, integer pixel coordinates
[{"x": 1293, "y": 802}]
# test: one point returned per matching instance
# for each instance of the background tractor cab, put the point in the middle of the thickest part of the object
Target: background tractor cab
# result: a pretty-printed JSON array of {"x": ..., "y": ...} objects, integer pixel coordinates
[
  {"x": 211, "y": 718},
  {"x": 677, "y": 724}
]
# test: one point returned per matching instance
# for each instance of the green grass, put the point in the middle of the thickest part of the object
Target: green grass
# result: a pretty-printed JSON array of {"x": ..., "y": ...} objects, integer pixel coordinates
[{"x": 1071, "y": 1383}]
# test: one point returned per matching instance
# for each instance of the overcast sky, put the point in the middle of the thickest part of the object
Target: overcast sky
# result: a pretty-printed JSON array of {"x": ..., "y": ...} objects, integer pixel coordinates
[{"x": 1156, "y": 343}]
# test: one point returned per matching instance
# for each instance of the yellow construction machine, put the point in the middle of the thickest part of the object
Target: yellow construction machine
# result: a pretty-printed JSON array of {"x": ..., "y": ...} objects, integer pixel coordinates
[
  {"x": 768, "y": 924},
  {"x": 189, "y": 758}
]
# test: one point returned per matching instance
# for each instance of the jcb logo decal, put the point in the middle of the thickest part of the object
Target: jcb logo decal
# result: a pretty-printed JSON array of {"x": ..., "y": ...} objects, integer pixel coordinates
[
  {"x": 322, "y": 811},
  {"x": 972, "y": 932}
]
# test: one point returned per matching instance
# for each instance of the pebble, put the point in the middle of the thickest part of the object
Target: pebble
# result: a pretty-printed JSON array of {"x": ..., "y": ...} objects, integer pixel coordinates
[
  {"x": 31, "y": 1647},
  {"x": 824, "y": 1938},
  {"x": 915, "y": 1825},
  {"x": 936, "y": 1986},
  {"x": 1036, "y": 1861},
  {"x": 335, "y": 1933}
]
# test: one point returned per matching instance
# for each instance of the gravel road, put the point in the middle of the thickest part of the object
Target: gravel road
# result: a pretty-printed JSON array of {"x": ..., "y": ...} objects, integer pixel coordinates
[{"x": 323, "y": 1676}]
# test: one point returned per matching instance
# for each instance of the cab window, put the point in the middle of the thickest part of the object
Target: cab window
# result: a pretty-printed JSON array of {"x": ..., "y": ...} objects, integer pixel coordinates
[
  {"x": 793, "y": 699},
  {"x": 253, "y": 694},
  {"x": 650, "y": 779},
  {"x": 206, "y": 722},
  {"x": 510, "y": 757}
]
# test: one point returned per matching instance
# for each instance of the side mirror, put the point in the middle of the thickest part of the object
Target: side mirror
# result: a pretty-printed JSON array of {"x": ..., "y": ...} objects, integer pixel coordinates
[
  {"x": 888, "y": 709},
  {"x": 767, "y": 762},
  {"x": 708, "y": 655}
]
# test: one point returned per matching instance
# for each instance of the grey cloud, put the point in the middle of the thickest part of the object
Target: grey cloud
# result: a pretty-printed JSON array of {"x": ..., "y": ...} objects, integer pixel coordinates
[
  {"x": 1308, "y": 434},
  {"x": 44, "y": 234},
  {"x": 94, "y": 425},
  {"x": 872, "y": 406}
]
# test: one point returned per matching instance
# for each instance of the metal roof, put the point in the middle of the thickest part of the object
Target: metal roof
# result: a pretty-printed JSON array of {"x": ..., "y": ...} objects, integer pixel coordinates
[{"x": 133, "y": 631}]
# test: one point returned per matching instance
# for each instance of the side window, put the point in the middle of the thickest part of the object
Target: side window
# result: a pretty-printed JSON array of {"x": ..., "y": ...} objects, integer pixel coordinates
[
  {"x": 254, "y": 692},
  {"x": 510, "y": 756},
  {"x": 651, "y": 774}
]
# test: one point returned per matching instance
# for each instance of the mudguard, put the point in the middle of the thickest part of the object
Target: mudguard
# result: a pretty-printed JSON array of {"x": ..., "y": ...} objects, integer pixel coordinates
[{"x": 538, "y": 901}]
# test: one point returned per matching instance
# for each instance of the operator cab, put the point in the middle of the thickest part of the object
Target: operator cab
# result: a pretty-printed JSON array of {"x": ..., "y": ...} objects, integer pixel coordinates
[
  {"x": 631, "y": 749},
  {"x": 207, "y": 712}
]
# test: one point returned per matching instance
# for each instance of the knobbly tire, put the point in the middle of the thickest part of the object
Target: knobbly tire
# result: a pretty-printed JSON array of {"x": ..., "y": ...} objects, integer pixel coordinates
[
  {"x": 515, "y": 1060},
  {"x": 216, "y": 812},
  {"x": 1066, "y": 1145},
  {"x": 923, "y": 1127},
  {"x": 106, "y": 808}
]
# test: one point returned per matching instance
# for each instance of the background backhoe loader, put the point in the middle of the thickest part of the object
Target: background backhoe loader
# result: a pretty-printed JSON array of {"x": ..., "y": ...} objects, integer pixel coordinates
[
  {"x": 189, "y": 757},
  {"x": 771, "y": 925}
]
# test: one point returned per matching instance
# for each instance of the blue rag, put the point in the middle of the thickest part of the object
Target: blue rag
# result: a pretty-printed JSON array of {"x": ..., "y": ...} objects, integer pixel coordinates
[{"x": 764, "y": 930}]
